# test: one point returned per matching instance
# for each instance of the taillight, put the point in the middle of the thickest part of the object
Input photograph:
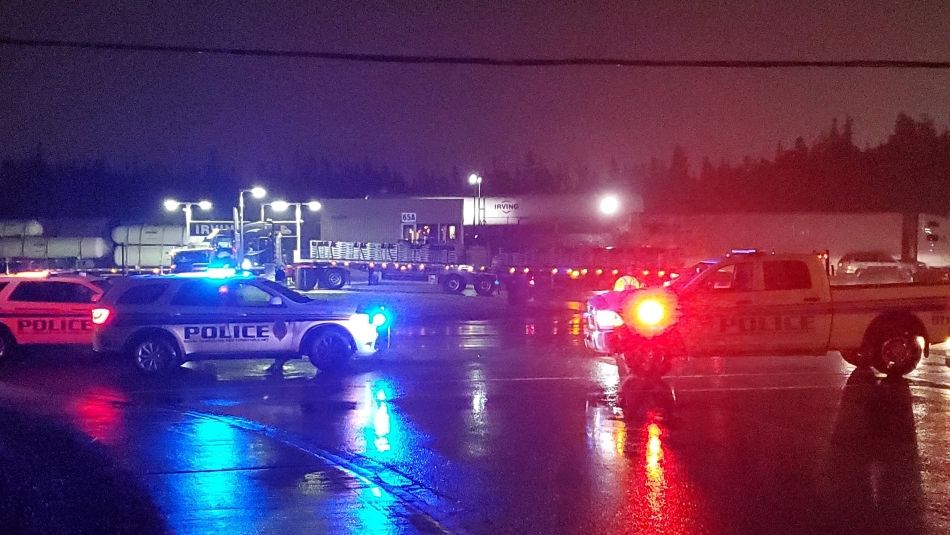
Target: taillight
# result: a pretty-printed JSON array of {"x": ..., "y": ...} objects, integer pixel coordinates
[{"x": 100, "y": 316}]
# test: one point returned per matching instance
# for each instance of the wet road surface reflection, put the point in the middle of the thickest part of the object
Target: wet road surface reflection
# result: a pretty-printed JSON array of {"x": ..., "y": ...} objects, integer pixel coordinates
[{"x": 510, "y": 426}]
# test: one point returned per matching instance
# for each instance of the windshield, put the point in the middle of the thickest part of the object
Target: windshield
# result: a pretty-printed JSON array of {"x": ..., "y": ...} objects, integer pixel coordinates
[
  {"x": 690, "y": 275},
  {"x": 192, "y": 257},
  {"x": 285, "y": 292}
]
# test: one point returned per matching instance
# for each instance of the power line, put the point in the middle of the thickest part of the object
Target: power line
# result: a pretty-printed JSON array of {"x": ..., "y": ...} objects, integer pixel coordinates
[{"x": 482, "y": 61}]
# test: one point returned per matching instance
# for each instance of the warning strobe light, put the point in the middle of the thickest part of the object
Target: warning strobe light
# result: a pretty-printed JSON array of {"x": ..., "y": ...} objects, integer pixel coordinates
[{"x": 650, "y": 312}]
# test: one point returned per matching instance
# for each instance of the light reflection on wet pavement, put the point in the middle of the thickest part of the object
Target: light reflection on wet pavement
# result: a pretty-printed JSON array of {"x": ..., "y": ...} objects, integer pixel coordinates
[{"x": 511, "y": 426}]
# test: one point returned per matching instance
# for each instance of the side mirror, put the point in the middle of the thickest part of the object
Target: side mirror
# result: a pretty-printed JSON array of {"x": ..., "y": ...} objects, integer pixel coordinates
[{"x": 276, "y": 302}]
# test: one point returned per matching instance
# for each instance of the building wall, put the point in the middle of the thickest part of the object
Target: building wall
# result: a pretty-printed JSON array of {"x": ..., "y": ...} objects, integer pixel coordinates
[
  {"x": 546, "y": 209},
  {"x": 381, "y": 220}
]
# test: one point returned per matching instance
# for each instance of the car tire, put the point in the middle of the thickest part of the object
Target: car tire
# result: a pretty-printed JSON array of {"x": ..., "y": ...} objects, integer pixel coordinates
[
  {"x": 485, "y": 286},
  {"x": 650, "y": 366},
  {"x": 154, "y": 354},
  {"x": 856, "y": 358},
  {"x": 453, "y": 284},
  {"x": 896, "y": 352},
  {"x": 8, "y": 347},
  {"x": 330, "y": 350},
  {"x": 332, "y": 279}
]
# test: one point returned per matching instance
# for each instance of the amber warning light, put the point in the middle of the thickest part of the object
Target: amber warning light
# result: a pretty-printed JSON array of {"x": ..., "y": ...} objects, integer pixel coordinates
[{"x": 650, "y": 312}]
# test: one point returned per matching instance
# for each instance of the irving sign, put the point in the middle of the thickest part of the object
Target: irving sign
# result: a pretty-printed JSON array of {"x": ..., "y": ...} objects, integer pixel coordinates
[{"x": 205, "y": 228}]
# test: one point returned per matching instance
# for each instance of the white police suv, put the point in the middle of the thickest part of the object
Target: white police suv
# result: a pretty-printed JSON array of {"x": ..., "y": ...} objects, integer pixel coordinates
[
  {"x": 161, "y": 322},
  {"x": 40, "y": 308}
]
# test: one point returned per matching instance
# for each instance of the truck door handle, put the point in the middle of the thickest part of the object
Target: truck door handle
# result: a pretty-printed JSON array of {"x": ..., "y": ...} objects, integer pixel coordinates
[
  {"x": 812, "y": 299},
  {"x": 744, "y": 302}
]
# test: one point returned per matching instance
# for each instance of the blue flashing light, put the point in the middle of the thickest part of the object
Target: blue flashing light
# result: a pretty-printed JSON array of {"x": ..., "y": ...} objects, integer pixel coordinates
[
  {"x": 217, "y": 274},
  {"x": 379, "y": 316}
]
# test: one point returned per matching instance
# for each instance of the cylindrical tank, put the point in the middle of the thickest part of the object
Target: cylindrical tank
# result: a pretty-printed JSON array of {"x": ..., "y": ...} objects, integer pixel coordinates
[
  {"x": 120, "y": 235},
  {"x": 11, "y": 248},
  {"x": 63, "y": 247},
  {"x": 173, "y": 235},
  {"x": 94, "y": 248},
  {"x": 145, "y": 256},
  {"x": 20, "y": 228},
  {"x": 149, "y": 235},
  {"x": 34, "y": 247}
]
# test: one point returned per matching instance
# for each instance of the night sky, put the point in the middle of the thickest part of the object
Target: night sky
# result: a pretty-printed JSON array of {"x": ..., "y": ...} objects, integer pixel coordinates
[{"x": 174, "y": 109}]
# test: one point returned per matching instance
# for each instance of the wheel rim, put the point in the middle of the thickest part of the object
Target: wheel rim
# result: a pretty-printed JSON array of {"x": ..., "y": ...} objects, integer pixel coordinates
[
  {"x": 152, "y": 355},
  {"x": 331, "y": 347},
  {"x": 897, "y": 352},
  {"x": 453, "y": 284},
  {"x": 485, "y": 286},
  {"x": 334, "y": 279}
]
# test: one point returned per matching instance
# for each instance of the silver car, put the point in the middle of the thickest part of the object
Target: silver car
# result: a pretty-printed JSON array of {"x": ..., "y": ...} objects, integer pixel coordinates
[{"x": 161, "y": 322}]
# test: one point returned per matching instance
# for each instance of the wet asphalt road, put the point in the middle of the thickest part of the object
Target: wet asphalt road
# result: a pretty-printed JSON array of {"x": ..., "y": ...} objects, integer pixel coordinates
[{"x": 508, "y": 425}]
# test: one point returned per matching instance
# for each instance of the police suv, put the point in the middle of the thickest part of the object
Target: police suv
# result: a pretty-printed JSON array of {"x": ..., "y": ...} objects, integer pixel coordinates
[
  {"x": 39, "y": 308},
  {"x": 161, "y": 322}
]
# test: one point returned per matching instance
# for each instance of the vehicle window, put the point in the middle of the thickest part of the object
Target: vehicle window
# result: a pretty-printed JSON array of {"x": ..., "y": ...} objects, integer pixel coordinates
[
  {"x": 143, "y": 294},
  {"x": 102, "y": 284},
  {"x": 192, "y": 257},
  {"x": 3, "y": 285},
  {"x": 285, "y": 292},
  {"x": 732, "y": 277},
  {"x": 201, "y": 293},
  {"x": 52, "y": 292},
  {"x": 243, "y": 294},
  {"x": 786, "y": 275}
]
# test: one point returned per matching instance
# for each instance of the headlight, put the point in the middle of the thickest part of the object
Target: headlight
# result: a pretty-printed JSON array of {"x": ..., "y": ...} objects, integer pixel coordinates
[{"x": 607, "y": 319}]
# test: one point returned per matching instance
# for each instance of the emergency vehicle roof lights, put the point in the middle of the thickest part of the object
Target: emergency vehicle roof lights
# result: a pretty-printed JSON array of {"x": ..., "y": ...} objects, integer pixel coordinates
[
  {"x": 217, "y": 273},
  {"x": 42, "y": 274}
]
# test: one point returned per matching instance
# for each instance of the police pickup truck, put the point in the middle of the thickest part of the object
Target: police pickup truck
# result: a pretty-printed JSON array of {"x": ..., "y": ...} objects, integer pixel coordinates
[
  {"x": 159, "y": 322},
  {"x": 766, "y": 304},
  {"x": 39, "y": 308}
]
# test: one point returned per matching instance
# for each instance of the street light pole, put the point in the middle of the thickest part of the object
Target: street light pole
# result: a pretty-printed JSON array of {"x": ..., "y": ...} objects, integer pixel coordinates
[
  {"x": 258, "y": 193},
  {"x": 172, "y": 205},
  {"x": 475, "y": 179},
  {"x": 282, "y": 206},
  {"x": 298, "y": 254}
]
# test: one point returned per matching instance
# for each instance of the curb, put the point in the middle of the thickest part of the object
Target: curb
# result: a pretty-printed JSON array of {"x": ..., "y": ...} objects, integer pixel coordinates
[{"x": 427, "y": 507}]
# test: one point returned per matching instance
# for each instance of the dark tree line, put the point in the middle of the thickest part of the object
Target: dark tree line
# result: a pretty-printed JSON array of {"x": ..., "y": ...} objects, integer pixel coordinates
[{"x": 909, "y": 171}]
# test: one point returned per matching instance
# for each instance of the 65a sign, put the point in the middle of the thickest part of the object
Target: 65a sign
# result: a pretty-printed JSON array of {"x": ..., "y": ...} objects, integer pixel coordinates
[{"x": 408, "y": 217}]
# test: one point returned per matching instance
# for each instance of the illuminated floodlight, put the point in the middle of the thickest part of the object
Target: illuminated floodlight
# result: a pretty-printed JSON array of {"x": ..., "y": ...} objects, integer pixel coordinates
[
  {"x": 314, "y": 206},
  {"x": 280, "y": 206},
  {"x": 609, "y": 204},
  {"x": 258, "y": 192},
  {"x": 474, "y": 179},
  {"x": 171, "y": 205},
  {"x": 204, "y": 205}
]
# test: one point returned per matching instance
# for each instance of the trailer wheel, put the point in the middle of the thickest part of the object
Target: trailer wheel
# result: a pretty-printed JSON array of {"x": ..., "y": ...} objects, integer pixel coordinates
[
  {"x": 453, "y": 284},
  {"x": 332, "y": 279},
  {"x": 897, "y": 351},
  {"x": 485, "y": 286},
  {"x": 648, "y": 364}
]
